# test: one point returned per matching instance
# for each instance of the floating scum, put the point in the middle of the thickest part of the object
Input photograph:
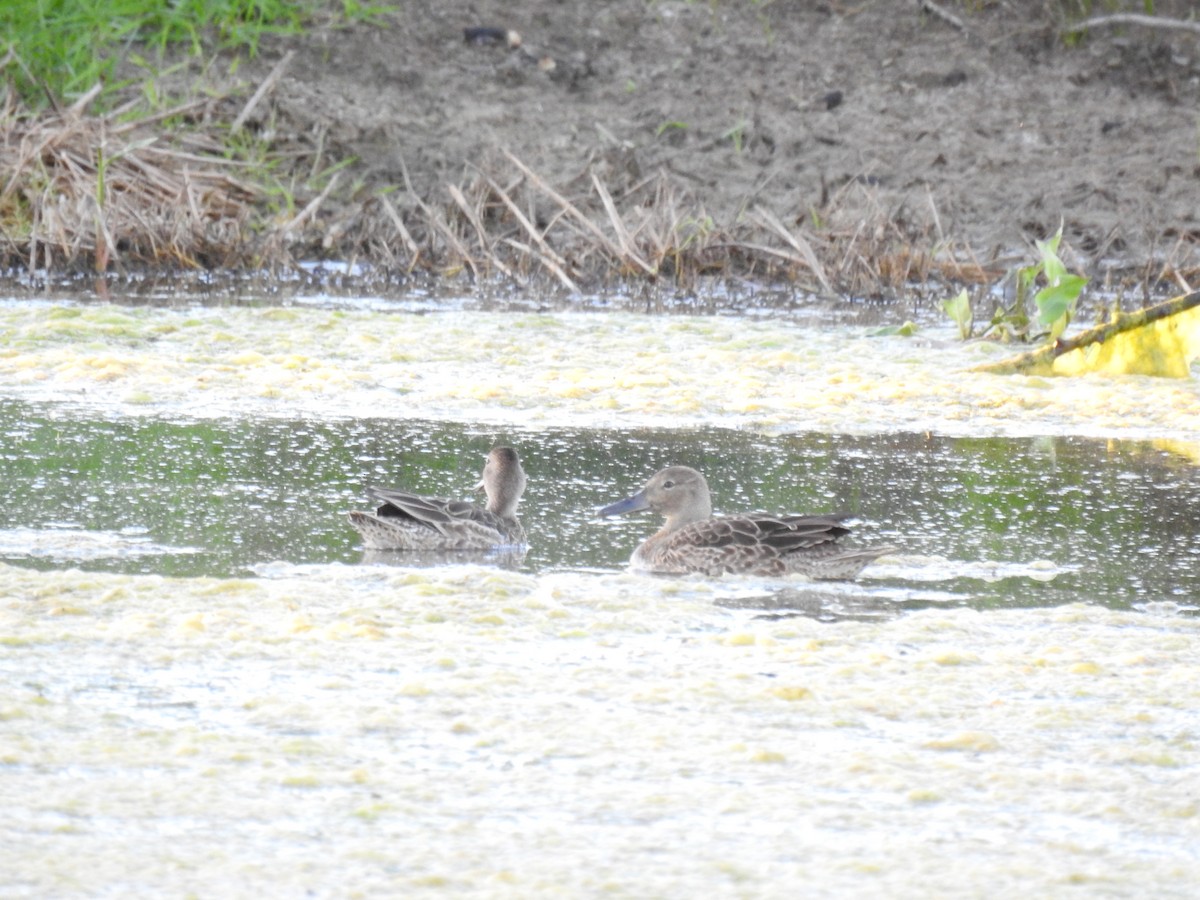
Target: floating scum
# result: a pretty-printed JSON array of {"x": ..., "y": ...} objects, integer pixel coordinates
[
  {"x": 574, "y": 732},
  {"x": 566, "y": 369}
]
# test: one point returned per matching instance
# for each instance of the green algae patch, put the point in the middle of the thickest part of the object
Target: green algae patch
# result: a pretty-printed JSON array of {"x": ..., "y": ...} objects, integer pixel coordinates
[
  {"x": 372, "y": 812},
  {"x": 280, "y": 314},
  {"x": 924, "y": 796}
]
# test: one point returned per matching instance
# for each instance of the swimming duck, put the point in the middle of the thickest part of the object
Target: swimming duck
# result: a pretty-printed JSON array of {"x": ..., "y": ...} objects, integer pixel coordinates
[
  {"x": 694, "y": 540},
  {"x": 406, "y": 521}
]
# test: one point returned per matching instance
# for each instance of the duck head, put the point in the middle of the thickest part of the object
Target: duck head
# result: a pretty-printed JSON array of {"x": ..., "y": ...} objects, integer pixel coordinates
[
  {"x": 678, "y": 493},
  {"x": 503, "y": 481}
]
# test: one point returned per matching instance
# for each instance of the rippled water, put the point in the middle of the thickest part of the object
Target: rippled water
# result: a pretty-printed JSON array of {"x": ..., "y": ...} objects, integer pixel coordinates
[
  {"x": 210, "y": 689},
  {"x": 1000, "y": 520}
]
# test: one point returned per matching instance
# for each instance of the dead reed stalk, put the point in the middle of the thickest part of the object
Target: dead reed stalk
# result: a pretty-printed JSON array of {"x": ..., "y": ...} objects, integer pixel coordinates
[
  {"x": 160, "y": 192},
  {"x": 92, "y": 190}
]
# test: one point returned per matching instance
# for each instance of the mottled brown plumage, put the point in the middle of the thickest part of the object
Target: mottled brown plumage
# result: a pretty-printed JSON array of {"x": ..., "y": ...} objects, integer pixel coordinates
[
  {"x": 406, "y": 521},
  {"x": 693, "y": 540}
]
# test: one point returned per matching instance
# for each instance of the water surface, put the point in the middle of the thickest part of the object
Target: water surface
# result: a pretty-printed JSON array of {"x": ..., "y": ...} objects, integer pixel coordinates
[
  {"x": 210, "y": 689},
  {"x": 1106, "y": 522}
]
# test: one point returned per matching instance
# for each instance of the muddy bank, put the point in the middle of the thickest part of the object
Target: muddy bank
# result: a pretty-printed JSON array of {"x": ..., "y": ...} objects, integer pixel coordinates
[{"x": 839, "y": 149}]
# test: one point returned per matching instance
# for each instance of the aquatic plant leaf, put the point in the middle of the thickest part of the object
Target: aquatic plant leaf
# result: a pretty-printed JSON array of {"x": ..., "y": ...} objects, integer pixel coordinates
[
  {"x": 1057, "y": 299},
  {"x": 908, "y": 329},
  {"x": 1026, "y": 276},
  {"x": 958, "y": 308},
  {"x": 1052, "y": 266},
  {"x": 1162, "y": 340}
]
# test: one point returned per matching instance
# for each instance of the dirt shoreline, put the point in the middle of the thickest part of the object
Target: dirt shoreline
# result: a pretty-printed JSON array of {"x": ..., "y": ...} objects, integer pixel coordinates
[{"x": 841, "y": 149}]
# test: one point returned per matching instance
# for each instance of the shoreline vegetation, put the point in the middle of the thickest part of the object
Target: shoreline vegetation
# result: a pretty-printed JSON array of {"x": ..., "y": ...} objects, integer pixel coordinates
[
  {"x": 120, "y": 182},
  {"x": 100, "y": 193}
]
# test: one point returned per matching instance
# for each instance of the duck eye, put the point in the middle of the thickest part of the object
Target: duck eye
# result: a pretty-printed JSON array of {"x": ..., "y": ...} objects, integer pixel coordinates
[{"x": 668, "y": 484}]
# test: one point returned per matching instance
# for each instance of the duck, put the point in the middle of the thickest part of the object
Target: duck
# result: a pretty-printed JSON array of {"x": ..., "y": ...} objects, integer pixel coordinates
[
  {"x": 407, "y": 521},
  {"x": 693, "y": 540}
]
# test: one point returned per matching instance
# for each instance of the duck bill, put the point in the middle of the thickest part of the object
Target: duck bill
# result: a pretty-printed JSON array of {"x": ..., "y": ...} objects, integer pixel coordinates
[{"x": 628, "y": 505}]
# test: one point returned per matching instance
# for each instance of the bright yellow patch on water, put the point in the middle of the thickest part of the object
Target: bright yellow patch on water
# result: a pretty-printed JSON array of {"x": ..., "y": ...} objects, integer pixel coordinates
[{"x": 1165, "y": 348}]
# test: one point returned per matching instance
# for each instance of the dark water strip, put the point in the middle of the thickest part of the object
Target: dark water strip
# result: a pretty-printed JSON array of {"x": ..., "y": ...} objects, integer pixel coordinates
[{"x": 235, "y": 493}]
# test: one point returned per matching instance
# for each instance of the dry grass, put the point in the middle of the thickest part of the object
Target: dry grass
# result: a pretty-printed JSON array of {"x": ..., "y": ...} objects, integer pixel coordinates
[
  {"x": 609, "y": 224},
  {"x": 96, "y": 193}
]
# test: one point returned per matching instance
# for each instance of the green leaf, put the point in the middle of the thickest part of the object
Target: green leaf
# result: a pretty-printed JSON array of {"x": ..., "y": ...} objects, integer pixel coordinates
[
  {"x": 958, "y": 308},
  {"x": 908, "y": 329},
  {"x": 1052, "y": 266},
  {"x": 1057, "y": 300},
  {"x": 1026, "y": 276},
  {"x": 1059, "y": 326}
]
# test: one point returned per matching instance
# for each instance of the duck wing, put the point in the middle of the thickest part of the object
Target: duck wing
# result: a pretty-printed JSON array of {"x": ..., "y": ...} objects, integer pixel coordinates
[
  {"x": 755, "y": 543},
  {"x": 431, "y": 512},
  {"x": 784, "y": 534},
  {"x": 454, "y": 519}
]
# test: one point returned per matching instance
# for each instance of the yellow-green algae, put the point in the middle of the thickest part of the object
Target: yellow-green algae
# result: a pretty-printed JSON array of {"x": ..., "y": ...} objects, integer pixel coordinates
[
  {"x": 323, "y": 720},
  {"x": 563, "y": 369},
  {"x": 353, "y": 731}
]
